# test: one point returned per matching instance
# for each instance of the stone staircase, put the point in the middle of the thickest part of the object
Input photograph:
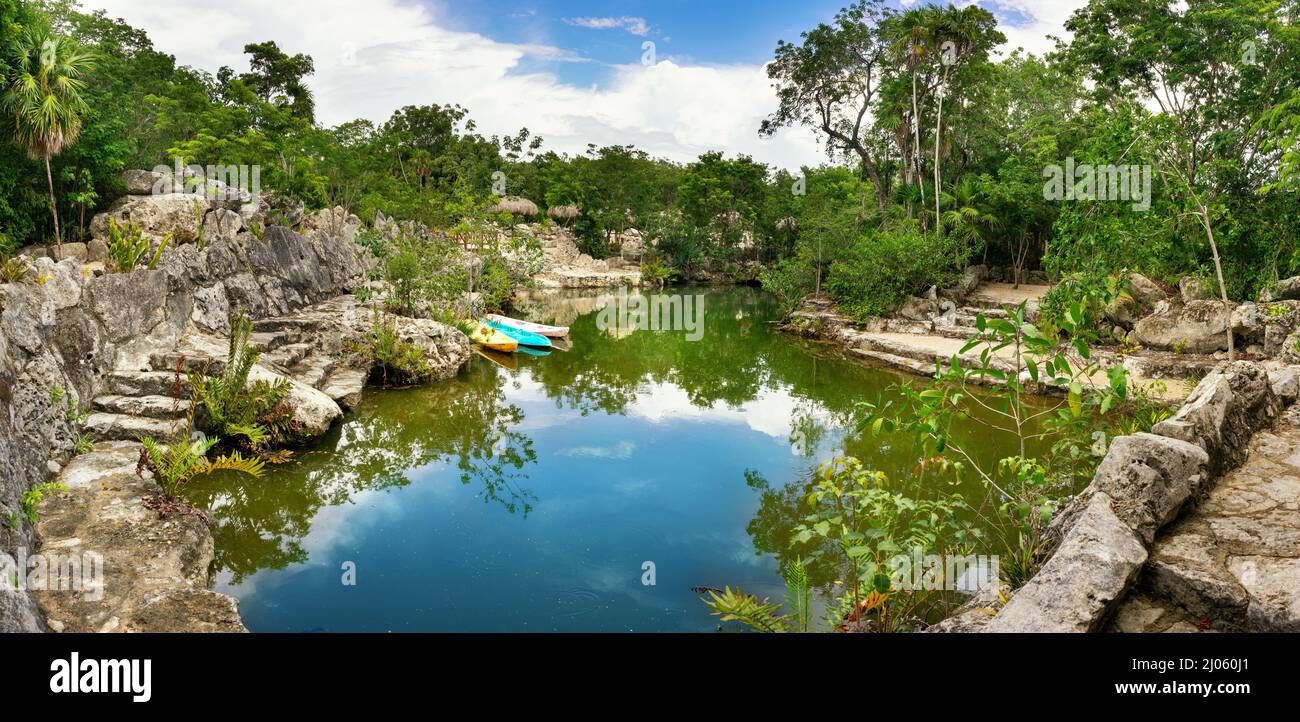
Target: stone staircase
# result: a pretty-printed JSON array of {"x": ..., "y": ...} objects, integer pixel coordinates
[
  {"x": 307, "y": 348},
  {"x": 908, "y": 344}
]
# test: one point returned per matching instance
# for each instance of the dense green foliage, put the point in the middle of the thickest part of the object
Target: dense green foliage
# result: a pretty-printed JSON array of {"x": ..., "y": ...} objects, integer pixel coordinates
[{"x": 939, "y": 141}]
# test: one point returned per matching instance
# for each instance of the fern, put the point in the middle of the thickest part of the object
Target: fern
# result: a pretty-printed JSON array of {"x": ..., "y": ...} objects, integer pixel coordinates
[
  {"x": 174, "y": 465},
  {"x": 736, "y": 606},
  {"x": 235, "y": 407},
  {"x": 798, "y": 596}
]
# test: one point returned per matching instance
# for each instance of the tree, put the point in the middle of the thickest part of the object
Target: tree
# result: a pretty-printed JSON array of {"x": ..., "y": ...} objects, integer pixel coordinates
[
  {"x": 44, "y": 99},
  {"x": 830, "y": 82},
  {"x": 280, "y": 79}
]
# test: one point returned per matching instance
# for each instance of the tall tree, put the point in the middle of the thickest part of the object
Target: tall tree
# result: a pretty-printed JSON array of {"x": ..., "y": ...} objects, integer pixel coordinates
[
  {"x": 830, "y": 82},
  {"x": 44, "y": 100}
]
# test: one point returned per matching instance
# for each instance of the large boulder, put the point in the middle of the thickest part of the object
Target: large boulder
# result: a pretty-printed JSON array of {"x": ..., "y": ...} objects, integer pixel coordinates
[
  {"x": 146, "y": 182},
  {"x": 971, "y": 278},
  {"x": 1094, "y": 566},
  {"x": 1193, "y": 327},
  {"x": 445, "y": 348},
  {"x": 1224, "y": 410},
  {"x": 1193, "y": 288},
  {"x": 156, "y": 215},
  {"x": 1141, "y": 295},
  {"x": 313, "y": 411},
  {"x": 1150, "y": 477},
  {"x": 1287, "y": 289}
]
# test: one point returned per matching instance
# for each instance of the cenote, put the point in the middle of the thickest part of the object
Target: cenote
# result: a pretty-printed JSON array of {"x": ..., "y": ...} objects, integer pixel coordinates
[{"x": 527, "y": 496}]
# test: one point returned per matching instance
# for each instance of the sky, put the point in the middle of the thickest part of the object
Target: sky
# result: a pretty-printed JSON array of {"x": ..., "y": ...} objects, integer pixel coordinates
[{"x": 675, "y": 78}]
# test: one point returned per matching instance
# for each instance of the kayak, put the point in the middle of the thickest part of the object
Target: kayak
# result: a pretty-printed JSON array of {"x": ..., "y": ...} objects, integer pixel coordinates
[
  {"x": 529, "y": 326},
  {"x": 492, "y": 338},
  {"x": 530, "y": 351},
  {"x": 525, "y": 338}
]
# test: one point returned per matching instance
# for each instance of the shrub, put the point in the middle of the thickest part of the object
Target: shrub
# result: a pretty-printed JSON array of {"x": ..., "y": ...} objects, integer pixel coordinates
[
  {"x": 886, "y": 265},
  {"x": 128, "y": 247},
  {"x": 15, "y": 270},
  {"x": 237, "y": 408},
  {"x": 399, "y": 362}
]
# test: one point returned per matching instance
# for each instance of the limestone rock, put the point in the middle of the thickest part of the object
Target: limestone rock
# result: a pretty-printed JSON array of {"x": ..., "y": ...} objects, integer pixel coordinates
[
  {"x": 1150, "y": 477},
  {"x": 1288, "y": 289},
  {"x": 1285, "y": 383},
  {"x": 1094, "y": 566},
  {"x": 1140, "y": 297},
  {"x": 156, "y": 215},
  {"x": 144, "y": 182},
  {"x": 1222, "y": 413},
  {"x": 1193, "y": 327},
  {"x": 1192, "y": 288},
  {"x": 149, "y": 563},
  {"x": 313, "y": 411}
]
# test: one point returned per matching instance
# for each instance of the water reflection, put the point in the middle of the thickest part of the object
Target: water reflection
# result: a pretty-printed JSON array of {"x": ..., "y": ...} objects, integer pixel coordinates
[{"x": 528, "y": 495}]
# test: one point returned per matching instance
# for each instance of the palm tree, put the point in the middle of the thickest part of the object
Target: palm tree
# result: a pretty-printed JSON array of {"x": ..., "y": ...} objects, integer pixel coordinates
[
  {"x": 968, "y": 218},
  {"x": 44, "y": 100}
]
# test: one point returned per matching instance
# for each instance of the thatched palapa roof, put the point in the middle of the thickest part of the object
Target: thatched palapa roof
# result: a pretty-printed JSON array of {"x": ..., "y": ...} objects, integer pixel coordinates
[
  {"x": 515, "y": 206},
  {"x": 564, "y": 213}
]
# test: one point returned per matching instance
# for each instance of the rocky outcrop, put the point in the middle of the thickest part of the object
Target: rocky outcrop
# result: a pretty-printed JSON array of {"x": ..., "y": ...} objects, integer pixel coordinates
[
  {"x": 1123, "y": 519},
  {"x": 1233, "y": 562},
  {"x": 1139, "y": 298},
  {"x": 1192, "y": 327},
  {"x": 1091, "y": 570},
  {"x": 62, "y": 339},
  {"x": 152, "y": 570},
  {"x": 1225, "y": 409}
]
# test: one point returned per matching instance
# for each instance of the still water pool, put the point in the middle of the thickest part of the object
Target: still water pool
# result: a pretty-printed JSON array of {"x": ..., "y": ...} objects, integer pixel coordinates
[{"x": 530, "y": 495}]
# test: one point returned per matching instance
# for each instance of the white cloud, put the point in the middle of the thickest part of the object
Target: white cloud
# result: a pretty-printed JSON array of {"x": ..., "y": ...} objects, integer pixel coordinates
[
  {"x": 374, "y": 57},
  {"x": 1043, "y": 18},
  {"x": 636, "y": 26}
]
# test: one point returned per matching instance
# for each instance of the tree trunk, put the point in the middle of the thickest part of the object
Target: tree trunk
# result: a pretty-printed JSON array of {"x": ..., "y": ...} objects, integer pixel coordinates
[
  {"x": 916, "y": 139},
  {"x": 1218, "y": 270},
  {"x": 54, "y": 210},
  {"x": 938, "y": 134}
]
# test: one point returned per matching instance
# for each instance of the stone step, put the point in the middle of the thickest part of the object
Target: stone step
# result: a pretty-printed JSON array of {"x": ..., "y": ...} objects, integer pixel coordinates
[
  {"x": 910, "y": 365},
  {"x": 167, "y": 362},
  {"x": 146, "y": 383},
  {"x": 959, "y": 332},
  {"x": 274, "y": 339},
  {"x": 120, "y": 427},
  {"x": 344, "y": 385},
  {"x": 288, "y": 356},
  {"x": 312, "y": 370},
  {"x": 893, "y": 348},
  {"x": 149, "y": 406}
]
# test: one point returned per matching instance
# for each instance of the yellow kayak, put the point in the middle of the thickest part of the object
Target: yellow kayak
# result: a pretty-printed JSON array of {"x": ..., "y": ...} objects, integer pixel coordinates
[{"x": 489, "y": 337}]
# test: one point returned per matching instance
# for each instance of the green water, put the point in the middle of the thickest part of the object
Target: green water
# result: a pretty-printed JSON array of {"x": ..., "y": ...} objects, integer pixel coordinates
[{"x": 528, "y": 496}]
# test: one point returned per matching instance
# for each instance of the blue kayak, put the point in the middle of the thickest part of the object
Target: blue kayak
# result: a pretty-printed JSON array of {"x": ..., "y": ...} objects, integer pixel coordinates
[
  {"x": 530, "y": 351},
  {"x": 525, "y": 338}
]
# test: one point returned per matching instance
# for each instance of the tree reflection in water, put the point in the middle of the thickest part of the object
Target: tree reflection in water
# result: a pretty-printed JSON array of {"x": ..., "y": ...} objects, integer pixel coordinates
[{"x": 392, "y": 434}]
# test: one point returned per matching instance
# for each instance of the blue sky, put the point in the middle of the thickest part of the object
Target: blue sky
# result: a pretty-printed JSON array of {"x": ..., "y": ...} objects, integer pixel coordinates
[
  {"x": 699, "y": 32},
  {"x": 569, "y": 71}
]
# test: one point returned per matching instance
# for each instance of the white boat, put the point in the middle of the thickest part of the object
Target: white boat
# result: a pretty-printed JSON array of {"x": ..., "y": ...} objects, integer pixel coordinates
[{"x": 529, "y": 326}]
